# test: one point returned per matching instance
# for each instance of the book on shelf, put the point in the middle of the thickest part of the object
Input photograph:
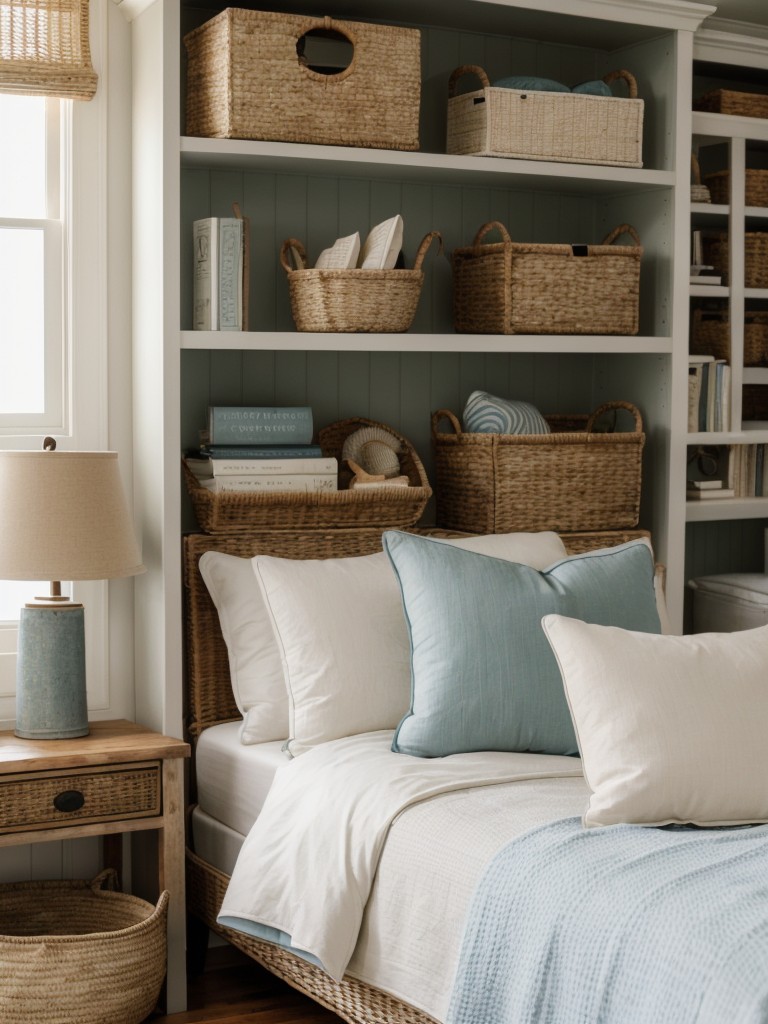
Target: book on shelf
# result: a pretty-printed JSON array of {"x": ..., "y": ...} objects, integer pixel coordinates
[
  {"x": 342, "y": 255},
  {"x": 259, "y": 451},
  {"x": 705, "y": 485},
  {"x": 255, "y": 424},
  {"x": 709, "y": 393},
  {"x": 694, "y": 494},
  {"x": 273, "y": 483},
  {"x": 379, "y": 251},
  {"x": 746, "y": 470},
  {"x": 220, "y": 279},
  {"x": 270, "y": 467}
]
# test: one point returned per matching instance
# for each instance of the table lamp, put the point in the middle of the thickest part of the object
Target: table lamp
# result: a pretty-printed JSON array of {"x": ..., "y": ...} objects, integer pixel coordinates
[{"x": 63, "y": 516}]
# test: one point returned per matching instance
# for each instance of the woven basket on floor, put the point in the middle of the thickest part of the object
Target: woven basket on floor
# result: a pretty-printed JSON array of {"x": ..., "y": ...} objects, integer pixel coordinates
[
  {"x": 717, "y": 255},
  {"x": 73, "y": 953},
  {"x": 247, "y": 80},
  {"x": 711, "y": 335},
  {"x": 729, "y": 101},
  {"x": 238, "y": 511},
  {"x": 348, "y": 301},
  {"x": 755, "y": 186},
  {"x": 568, "y": 481},
  {"x": 537, "y": 125},
  {"x": 520, "y": 288}
]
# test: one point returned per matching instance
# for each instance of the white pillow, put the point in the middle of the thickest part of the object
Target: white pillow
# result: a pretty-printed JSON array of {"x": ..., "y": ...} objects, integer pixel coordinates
[
  {"x": 341, "y": 631},
  {"x": 671, "y": 729},
  {"x": 255, "y": 666}
]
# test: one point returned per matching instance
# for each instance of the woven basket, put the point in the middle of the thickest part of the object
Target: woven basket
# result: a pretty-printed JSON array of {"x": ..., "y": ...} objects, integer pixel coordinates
[
  {"x": 520, "y": 288},
  {"x": 711, "y": 335},
  {"x": 755, "y": 185},
  {"x": 366, "y": 301},
  {"x": 699, "y": 193},
  {"x": 537, "y": 125},
  {"x": 246, "y": 80},
  {"x": 569, "y": 480},
  {"x": 236, "y": 511},
  {"x": 72, "y": 953},
  {"x": 728, "y": 101},
  {"x": 717, "y": 254}
]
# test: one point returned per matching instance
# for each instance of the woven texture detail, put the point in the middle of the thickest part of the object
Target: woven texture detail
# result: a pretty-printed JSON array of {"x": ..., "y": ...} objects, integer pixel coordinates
[
  {"x": 44, "y": 49},
  {"x": 728, "y": 101},
  {"x": 245, "y": 80},
  {"x": 755, "y": 186},
  {"x": 70, "y": 952},
  {"x": 717, "y": 255},
  {"x": 711, "y": 335},
  {"x": 567, "y": 481},
  {"x": 523, "y": 288}
]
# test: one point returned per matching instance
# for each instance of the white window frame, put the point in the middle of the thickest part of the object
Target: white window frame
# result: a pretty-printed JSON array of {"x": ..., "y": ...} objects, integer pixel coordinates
[{"x": 83, "y": 379}]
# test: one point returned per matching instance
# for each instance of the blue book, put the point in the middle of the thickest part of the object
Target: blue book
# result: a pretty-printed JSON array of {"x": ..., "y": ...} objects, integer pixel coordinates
[
  {"x": 266, "y": 451},
  {"x": 259, "y": 424}
]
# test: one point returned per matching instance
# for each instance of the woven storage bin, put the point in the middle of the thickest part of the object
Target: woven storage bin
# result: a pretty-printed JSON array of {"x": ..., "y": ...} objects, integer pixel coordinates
[
  {"x": 72, "y": 953},
  {"x": 568, "y": 481},
  {"x": 717, "y": 254},
  {"x": 699, "y": 193},
  {"x": 347, "y": 301},
  {"x": 755, "y": 186},
  {"x": 520, "y": 288},
  {"x": 593, "y": 540},
  {"x": 729, "y": 101},
  {"x": 537, "y": 125},
  {"x": 246, "y": 80},
  {"x": 711, "y": 335},
  {"x": 234, "y": 511}
]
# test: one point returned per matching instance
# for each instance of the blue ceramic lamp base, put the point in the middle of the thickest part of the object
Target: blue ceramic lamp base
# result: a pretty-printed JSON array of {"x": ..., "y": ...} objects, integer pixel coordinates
[{"x": 50, "y": 673}]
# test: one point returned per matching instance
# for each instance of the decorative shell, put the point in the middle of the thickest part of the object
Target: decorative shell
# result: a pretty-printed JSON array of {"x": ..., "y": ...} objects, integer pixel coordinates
[{"x": 375, "y": 450}]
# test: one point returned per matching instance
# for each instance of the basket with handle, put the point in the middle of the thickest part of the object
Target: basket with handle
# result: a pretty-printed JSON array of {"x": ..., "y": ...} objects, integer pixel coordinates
[
  {"x": 571, "y": 480},
  {"x": 368, "y": 301},
  {"x": 511, "y": 287},
  {"x": 79, "y": 951}
]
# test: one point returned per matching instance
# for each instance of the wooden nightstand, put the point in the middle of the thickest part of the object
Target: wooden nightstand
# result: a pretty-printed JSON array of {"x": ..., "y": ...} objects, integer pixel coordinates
[{"x": 120, "y": 778}]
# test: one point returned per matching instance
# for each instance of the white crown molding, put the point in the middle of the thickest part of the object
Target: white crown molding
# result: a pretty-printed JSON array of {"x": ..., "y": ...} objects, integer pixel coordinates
[{"x": 732, "y": 42}]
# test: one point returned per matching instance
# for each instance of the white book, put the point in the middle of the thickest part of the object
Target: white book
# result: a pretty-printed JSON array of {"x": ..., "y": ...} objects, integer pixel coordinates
[
  {"x": 230, "y": 277},
  {"x": 382, "y": 246},
  {"x": 342, "y": 255},
  {"x": 705, "y": 485},
  {"x": 272, "y": 483},
  {"x": 723, "y": 492},
  {"x": 218, "y": 274},
  {"x": 205, "y": 298},
  {"x": 264, "y": 467}
]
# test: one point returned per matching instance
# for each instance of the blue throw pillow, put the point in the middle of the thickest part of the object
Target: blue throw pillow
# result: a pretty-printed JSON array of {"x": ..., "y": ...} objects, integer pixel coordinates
[
  {"x": 488, "y": 414},
  {"x": 596, "y": 88},
  {"x": 530, "y": 82},
  {"x": 483, "y": 675}
]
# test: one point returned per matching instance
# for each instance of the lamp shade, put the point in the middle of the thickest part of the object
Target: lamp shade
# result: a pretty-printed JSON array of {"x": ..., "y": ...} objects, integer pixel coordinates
[{"x": 63, "y": 516}]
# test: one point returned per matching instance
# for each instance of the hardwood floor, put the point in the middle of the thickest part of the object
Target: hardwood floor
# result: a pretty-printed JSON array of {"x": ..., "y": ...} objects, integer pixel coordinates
[{"x": 235, "y": 990}]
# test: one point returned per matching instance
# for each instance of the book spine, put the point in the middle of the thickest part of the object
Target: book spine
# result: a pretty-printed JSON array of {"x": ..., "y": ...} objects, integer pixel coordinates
[
  {"x": 310, "y": 483},
  {"x": 259, "y": 425},
  {"x": 230, "y": 274},
  {"x": 261, "y": 452},
  {"x": 205, "y": 313},
  {"x": 264, "y": 467}
]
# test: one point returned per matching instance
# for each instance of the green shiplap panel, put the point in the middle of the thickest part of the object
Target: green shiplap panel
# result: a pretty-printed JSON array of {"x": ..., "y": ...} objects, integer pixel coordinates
[
  {"x": 195, "y": 387},
  {"x": 384, "y": 406},
  {"x": 322, "y": 388},
  {"x": 290, "y": 221},
  {"x": 226, "y": 377},
  {"x": 354, "y": 384},
  {"x": 290, "y": 378},
  {"x": 259, "y": 205},
  {"x": 441, "y": 53},
  {"x": 195, "y": 204}
]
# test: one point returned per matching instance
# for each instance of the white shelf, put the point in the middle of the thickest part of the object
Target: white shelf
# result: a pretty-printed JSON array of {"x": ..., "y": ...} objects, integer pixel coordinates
[
  {"x": 726, "y": 508},
  {"x": 755, "y": 375},
  {"x": 758, "y": 212},
  {"x": 756, "y": 293},
  {"x": 318, "y": 342},
  {"x": 710, "y": 291},
  {"x": 747, "y": 435},
  {"x": 346, "y": 161},
  {"x": 728, "y": 126},
  {"x": 712, "y": 209}
]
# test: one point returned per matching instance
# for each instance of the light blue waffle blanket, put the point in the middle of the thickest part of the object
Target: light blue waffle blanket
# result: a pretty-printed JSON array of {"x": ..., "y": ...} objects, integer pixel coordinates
[{"x": 619, "y": 925}]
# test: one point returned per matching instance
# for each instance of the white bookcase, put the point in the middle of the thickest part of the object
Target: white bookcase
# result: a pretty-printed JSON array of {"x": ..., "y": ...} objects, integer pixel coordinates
[{"x": 316, "y": 192}]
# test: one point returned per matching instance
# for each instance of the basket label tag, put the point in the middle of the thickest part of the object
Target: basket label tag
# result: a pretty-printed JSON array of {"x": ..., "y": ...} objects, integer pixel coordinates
[{"x": 579, "y": 249}]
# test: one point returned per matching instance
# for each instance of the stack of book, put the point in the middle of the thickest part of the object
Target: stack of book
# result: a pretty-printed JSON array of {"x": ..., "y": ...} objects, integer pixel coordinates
[
  {"x": 262, "y": 449},
  {"x": 709, "y": 393},
  {"x": 746, "y": 470}
]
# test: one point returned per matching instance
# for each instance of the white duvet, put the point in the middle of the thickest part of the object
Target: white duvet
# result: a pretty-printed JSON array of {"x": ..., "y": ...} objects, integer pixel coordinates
[{"x": 308, "y": 865}]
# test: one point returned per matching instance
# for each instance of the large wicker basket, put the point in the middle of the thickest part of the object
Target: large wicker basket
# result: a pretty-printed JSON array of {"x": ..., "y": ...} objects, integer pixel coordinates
[
  {"x": 247, "y": 80},
  {"x": 537, "y": 125},
  {"x": 717, "y": 254},
  {"x": 73, "y": 953},
  {"x": 755, "y": 186},
  {"x": 365, "y": 301},
  {"x": 570, "y": 480},
  {"x": 729, "y": 101},
  {"x": 520, "y": 288},
  {"x": 236, "y": 511},
  {"x": 711, "y": 335}
]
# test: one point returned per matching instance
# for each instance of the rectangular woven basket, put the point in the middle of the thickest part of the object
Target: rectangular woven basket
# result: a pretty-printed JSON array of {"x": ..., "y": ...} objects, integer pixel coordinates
[
  {"x": 711, "y": 335},
  {"x": 717, "y": 254},
  {"x": 524, "y": 288},
  {"x": 730, "y": 101},
  {"x": 361, "y": 301},
  {"x": 536, "y": 125},
  {"x": 755, "y": 185},
  {"x": 390, "y": 507},
  {"x": 246, "y": 79},
  {"x": 571, "y": 480}
]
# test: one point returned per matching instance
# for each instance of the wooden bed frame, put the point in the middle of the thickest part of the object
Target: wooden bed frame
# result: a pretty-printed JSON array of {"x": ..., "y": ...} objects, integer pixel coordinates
[{"x": 209, "y": 701}]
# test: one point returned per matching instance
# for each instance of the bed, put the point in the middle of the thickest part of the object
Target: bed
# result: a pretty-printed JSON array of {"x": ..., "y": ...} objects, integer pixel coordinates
[{"x": 408, "y": 948}]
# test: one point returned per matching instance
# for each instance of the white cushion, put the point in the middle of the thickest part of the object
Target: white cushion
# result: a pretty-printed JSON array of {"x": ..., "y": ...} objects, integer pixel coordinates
[
  {"x": 255, "y": 666},
  {"x": 341, "y": 631},
  {"x": 671, "y": 729}
]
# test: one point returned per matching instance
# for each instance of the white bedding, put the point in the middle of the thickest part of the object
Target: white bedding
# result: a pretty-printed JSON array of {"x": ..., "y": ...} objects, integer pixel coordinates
[{"x": 308, "y": 865}]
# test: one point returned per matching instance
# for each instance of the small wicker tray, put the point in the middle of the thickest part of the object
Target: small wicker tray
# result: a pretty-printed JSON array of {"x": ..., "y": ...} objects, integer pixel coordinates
[
  {"x": 755, "y": 186},
  {"x": 729, "y": 101},
  {"x": 70, "y": 951},
  {"x": 234, "y": 511}
]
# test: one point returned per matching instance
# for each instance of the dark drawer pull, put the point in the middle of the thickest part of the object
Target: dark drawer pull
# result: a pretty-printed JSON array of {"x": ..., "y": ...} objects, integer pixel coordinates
[{"x": 69, "y": 800}]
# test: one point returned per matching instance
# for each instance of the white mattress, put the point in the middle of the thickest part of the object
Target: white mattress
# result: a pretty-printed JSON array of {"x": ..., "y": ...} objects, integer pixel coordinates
[{"x": 233, "y": 778}]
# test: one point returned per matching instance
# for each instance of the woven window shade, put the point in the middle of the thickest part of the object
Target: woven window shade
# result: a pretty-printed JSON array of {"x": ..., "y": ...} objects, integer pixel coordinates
[{"x": 44, "y": 49}]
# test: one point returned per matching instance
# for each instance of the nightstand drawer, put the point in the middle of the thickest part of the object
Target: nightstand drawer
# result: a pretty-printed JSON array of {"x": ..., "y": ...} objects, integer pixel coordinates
[{"x": 80, "y": 796}]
